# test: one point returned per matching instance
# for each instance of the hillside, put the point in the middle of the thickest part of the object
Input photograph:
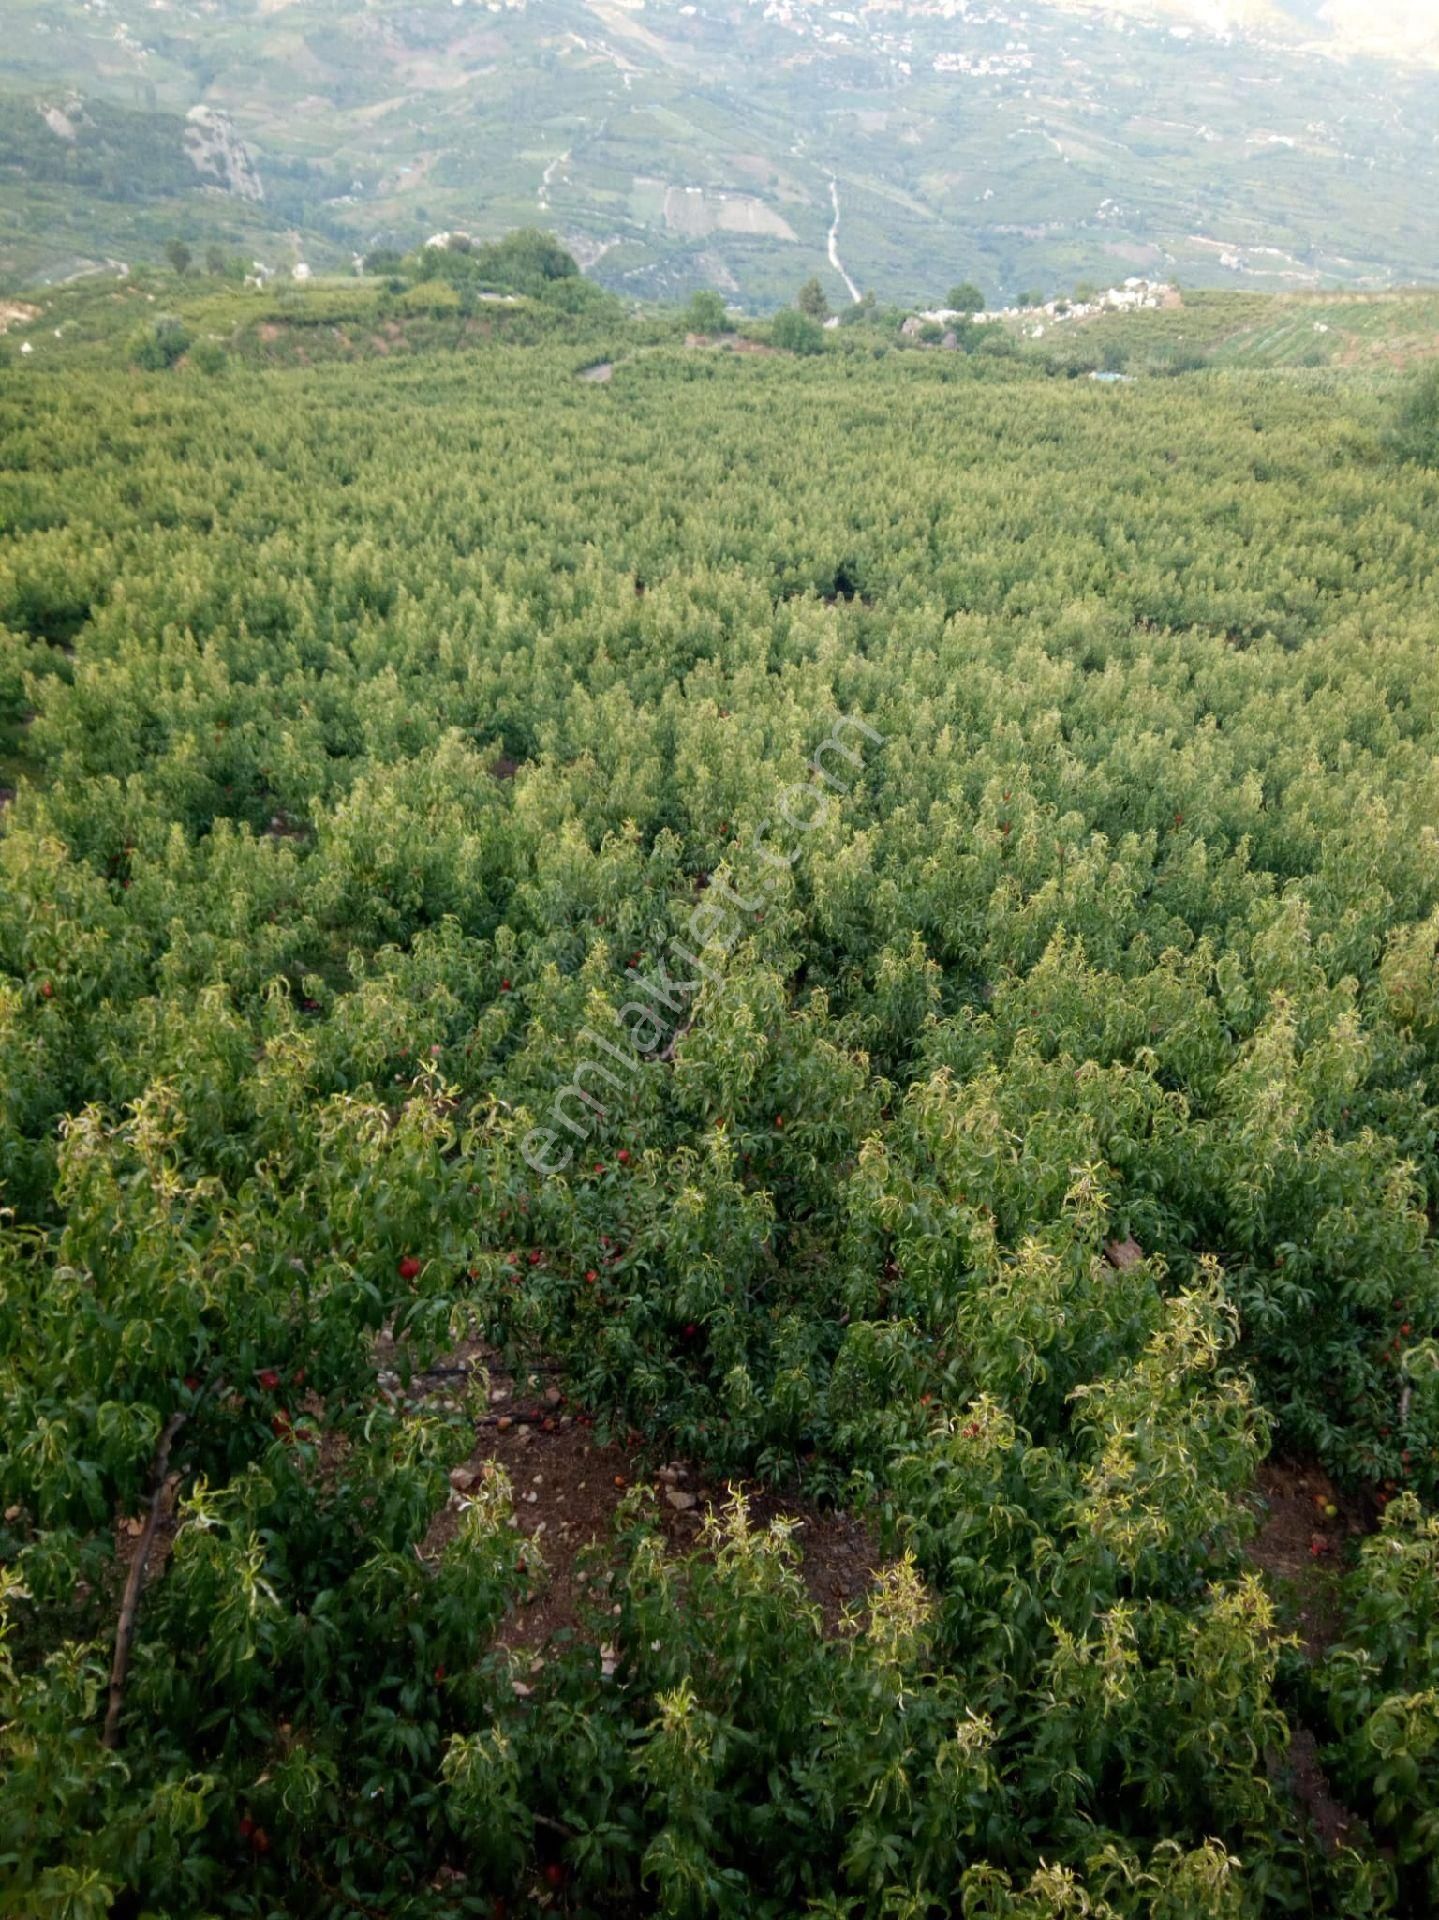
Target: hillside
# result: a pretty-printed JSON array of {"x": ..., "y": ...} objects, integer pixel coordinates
[
  {"x": 350, "y": 318},
  {"x": 1356, "y": 332},
  {"x": 717, "y": 143}
]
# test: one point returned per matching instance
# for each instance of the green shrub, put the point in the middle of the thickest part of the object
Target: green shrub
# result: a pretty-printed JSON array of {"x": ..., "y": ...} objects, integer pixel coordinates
[
  {"x": 706, "y": 312},
  {"x": 1381, "y": 1687},
  {"x": 434, "y": 297},
  {"x": 795, "y": 332},
  {"x": 160, "y": 344},
  {"x": 1416, "y": 429},
  {"x": 208, "y": 356}
]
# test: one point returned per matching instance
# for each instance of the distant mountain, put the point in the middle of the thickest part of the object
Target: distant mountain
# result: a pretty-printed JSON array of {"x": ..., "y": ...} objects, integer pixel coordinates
[{"x": 899, "y": 145}]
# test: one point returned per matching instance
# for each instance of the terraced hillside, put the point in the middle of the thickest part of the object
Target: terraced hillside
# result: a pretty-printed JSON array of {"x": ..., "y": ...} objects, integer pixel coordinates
[
  {"x": 708, "y": 144},
  {"x": 1359, "y": 333}
]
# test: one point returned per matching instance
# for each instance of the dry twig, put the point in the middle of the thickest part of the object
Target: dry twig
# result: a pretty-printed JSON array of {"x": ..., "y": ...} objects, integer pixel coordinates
[{"x": 135, "y": 1582}]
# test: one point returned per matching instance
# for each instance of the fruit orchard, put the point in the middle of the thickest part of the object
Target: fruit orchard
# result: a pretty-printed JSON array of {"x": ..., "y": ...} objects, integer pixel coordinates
[{"x": 1055, "y": 1141}]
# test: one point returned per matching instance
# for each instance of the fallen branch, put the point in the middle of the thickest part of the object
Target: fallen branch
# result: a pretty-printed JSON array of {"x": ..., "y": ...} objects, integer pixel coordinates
[{"x": 135, "y": 1581}]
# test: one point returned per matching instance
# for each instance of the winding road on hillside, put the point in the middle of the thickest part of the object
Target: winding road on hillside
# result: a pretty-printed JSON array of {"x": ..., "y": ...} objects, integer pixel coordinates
[
  {"x": 834, "y": 259},
  {"x": 548, "y": 175}
]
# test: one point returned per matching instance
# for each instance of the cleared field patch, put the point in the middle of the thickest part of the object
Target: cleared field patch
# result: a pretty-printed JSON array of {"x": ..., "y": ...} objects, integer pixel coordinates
[{"x": 694, "y": 212}]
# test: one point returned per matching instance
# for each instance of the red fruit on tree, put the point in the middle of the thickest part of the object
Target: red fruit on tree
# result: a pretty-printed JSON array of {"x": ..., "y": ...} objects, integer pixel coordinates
[
  {"x": 269, "y": 1379},
  {"x": 623, "y": 1156},
  {"x": 555, "y": 1875},
  {"x": 410, "y": 1268}
]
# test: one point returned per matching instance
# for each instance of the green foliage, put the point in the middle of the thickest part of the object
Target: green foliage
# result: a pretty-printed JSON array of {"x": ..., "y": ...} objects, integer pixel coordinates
[
  {"x": 796, "y": 332},
  {"x": 1050, "y": 1134},
  {"x": 159, "y": 344},
  {"x": 864, "y": 312},
  {"x": 208, "y": 356},
  {"x": 435, "y": 297},
  {"x": 526, "y": 261},
  {"x": 966, "y": 298},
  {"x": 1381, "y": 1687},
  {"x": 1416, "y": 430},
  {"x": 811, "y": 300},
  {"x": 706, "y": 312}
]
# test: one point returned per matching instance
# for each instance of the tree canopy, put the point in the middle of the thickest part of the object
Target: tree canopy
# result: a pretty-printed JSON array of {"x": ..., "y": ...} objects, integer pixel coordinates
[{"x": 861, "y": 926}]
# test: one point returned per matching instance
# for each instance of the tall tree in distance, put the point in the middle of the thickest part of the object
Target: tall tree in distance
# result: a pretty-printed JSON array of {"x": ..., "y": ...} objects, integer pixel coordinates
[{"x": 811, "y": 299}]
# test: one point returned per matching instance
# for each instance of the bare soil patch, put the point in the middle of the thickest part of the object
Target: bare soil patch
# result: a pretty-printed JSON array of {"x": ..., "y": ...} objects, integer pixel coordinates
[
  {"x": 16, "y": 313},
  {"x": 1306, "y": 1526},
  {"x": 568, "y": 1486}
]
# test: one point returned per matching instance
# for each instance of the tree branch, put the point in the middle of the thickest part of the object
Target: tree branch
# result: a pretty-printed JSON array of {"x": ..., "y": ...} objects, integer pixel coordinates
[{"x": 135, "y": 1582}]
